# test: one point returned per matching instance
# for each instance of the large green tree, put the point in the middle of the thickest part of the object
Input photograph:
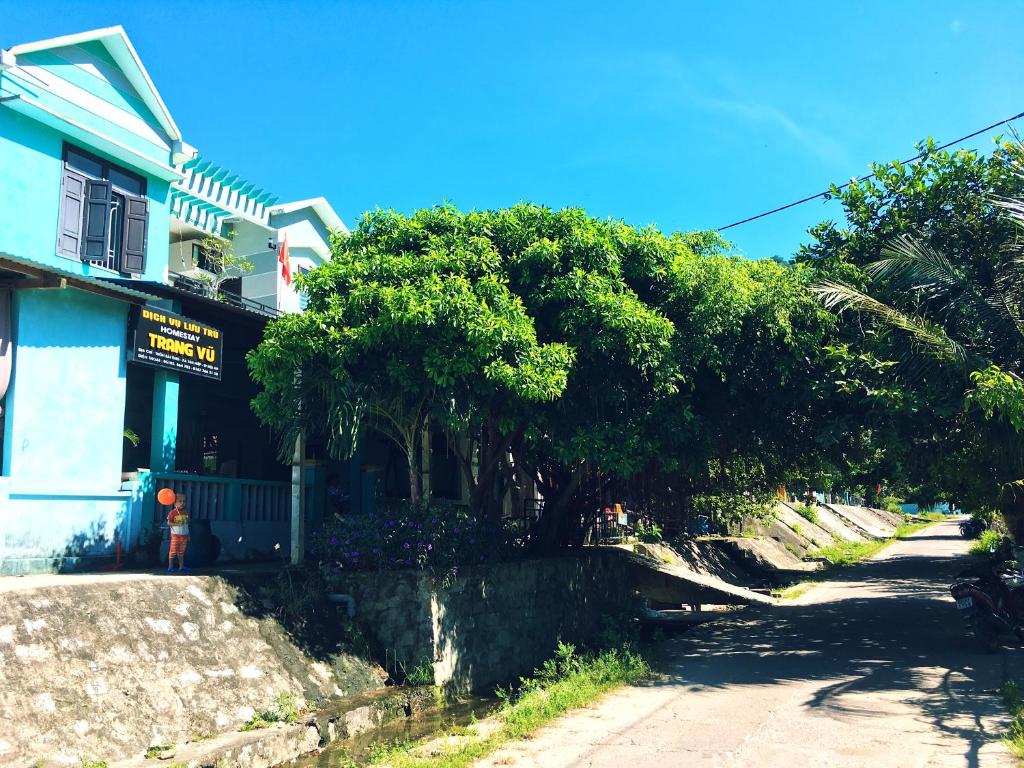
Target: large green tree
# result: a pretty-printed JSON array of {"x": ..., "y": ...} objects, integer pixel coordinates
[
  {"x": 561, "y": 352},
  {"x": 411, "y": 320},
  {"x": 928, "y": 278}
]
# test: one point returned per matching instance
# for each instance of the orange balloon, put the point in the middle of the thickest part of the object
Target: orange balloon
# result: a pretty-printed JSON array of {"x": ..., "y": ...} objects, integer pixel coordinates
[{"x": 166, "y": 496}]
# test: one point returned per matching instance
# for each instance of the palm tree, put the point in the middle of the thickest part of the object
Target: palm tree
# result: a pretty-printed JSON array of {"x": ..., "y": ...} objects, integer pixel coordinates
[{"x": 965, "y": 318}]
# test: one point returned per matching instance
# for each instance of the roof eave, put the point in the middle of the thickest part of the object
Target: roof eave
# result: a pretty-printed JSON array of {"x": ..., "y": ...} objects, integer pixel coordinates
[{"x": 116, "y": 40}]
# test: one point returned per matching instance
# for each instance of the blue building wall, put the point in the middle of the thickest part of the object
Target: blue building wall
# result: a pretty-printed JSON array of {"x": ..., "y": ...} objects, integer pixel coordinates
[
  {"x": 31, "y": 156},
  {"x": 61, "y": 497},
  {"x": 61, "y": 494}
]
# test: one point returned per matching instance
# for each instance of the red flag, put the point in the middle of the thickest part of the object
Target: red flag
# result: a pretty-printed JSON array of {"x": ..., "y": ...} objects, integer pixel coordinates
[{"x": 286, "y": 264}]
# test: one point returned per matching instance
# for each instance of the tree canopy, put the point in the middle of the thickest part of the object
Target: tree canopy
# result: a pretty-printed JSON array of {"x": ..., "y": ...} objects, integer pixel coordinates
[
  {"x": 561, "y": 352},
  {"x": 927, "y": 278}
]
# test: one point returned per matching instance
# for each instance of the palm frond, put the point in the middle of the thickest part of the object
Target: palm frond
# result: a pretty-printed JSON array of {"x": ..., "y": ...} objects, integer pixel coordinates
[
  {"x": 929, "y": 336},
  {"x": 935, "y": 280},
  {"x": 913, "y": 265}
]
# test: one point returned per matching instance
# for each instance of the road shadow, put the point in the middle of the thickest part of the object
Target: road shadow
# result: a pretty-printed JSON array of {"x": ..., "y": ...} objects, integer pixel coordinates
[{"x": 887, "y": 627}]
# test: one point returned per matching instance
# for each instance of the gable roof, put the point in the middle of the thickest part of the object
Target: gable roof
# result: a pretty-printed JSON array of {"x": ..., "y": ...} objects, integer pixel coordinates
[
  {"x": 320, "y": 207},
  {"x": 120, "y": 48}
]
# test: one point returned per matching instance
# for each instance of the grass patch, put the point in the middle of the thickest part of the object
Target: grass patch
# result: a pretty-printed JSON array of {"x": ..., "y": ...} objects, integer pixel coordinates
[
  {"x": 568, "y": 681},
  {"x": 808, "y": 512},
  {"x": 283, "y": 710},
  {"x": 844, "y": 553},
  {"x": 906, "y": 528},
  {"x": 1013, "y": 697},
  {"x": 95, "y": 764},
  {"x": 793, "y": 591},
  {"x": 988, "y": 542},
  {"x": 156, "y": 751}
]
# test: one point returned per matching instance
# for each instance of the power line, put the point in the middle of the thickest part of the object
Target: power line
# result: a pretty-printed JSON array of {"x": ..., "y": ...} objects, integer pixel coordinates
[{"x": 828, "y": 193}]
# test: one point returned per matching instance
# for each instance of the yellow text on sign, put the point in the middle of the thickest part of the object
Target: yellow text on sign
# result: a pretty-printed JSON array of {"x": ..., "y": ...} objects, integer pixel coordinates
[{"x": 183, "y": 348}]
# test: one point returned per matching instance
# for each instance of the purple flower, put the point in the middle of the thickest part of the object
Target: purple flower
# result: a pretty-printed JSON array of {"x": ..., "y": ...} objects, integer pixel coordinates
[
  {"x": 429, "y": 547},
  {"x": 334, "y": 540},
  {"x": 406, "y": 545}
]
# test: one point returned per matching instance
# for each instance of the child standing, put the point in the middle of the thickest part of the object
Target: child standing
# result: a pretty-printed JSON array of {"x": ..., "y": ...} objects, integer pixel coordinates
[{"x": 178, "y": 519}]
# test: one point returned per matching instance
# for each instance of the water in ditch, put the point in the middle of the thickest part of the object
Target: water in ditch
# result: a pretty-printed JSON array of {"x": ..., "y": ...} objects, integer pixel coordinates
[{"x": 427, "y": 723}]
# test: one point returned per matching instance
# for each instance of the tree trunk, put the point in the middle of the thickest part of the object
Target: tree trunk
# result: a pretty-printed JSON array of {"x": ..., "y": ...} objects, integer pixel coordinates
[{"x": 414, "y": 491}]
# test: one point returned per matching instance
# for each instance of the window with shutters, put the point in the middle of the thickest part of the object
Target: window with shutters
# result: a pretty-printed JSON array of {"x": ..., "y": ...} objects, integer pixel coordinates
[{"x": 104, "y": 214}]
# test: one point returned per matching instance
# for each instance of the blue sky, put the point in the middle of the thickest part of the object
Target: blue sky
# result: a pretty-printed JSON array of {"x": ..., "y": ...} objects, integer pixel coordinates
[{"x": 685, "y": 115}]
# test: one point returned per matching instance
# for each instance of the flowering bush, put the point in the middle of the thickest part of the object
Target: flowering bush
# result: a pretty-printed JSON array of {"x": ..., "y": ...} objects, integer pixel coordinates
[{"x": 426, "y": 536}]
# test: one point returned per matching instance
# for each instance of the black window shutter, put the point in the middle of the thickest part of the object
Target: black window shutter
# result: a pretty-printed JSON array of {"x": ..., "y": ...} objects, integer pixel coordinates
[
  {"x": 133, "y": 244},
  {"x": 72, "y": 196},
  {"x": 97, "y": 220}
]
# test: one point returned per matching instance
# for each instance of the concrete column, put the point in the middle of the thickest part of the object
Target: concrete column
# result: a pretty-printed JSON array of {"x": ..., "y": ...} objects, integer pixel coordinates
[
  {"x": 299, "y": 501},
  {"x": 164, "y": 430}
]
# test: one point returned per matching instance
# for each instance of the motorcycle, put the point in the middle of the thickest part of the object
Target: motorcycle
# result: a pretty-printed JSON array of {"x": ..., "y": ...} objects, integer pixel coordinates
[
  {"x": 990, "y": 598},
  {"x": 971, "y": 529}
]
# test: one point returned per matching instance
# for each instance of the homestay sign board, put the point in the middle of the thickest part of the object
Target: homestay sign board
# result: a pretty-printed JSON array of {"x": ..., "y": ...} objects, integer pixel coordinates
[{"x": 176, "y": 343}]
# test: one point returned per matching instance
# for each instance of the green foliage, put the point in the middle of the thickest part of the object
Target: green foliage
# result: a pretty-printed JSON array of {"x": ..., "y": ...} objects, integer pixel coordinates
[
  {"x": 284, "y": 709},
  {"x": 999, "y": 395},
  {"x": 221, "y": 262},
  {"x": 1013, "y": 698},
  {"x": 421, "y": 674},
  {"x": 567, "y": 681},
  {"x": 987, "y": 543},
  {"x": 648, "y": 532},
  {"x": 926, "y": 281},
  {"x": 87, "y": 763},
  {"x": 808, "y": 512},
  {"x": 157, "y": 750},
  {"x": 892, "y": 504},
  {"x": 567, "y": 350}
]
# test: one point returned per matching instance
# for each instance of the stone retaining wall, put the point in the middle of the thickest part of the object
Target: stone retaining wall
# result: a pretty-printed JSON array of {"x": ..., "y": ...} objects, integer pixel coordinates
[
  {"x": 493, "y": 623},
  {"x": 102, "y": 667}
]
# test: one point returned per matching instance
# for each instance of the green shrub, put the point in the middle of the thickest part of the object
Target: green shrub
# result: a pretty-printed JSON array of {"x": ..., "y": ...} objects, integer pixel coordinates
[
  {"x": 892, "y": 504},
  {"x": 808, "y": 512},
  {"x": 283, "y": 710},
  {"x": 421, "y": 674},
  {"x": 1014, "y": 700},
  {"x": 649, "y": 532},
  {"x": 438, "y": 538},
  {"x": 988, "y": 542}
]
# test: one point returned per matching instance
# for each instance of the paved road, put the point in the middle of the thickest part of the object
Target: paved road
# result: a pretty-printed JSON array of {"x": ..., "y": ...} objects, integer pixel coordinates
[{"x": 872, "y": 669}]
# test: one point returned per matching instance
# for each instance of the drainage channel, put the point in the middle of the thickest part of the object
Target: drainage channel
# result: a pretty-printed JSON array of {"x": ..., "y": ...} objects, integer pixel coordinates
[{"x": 426, "y": 723}]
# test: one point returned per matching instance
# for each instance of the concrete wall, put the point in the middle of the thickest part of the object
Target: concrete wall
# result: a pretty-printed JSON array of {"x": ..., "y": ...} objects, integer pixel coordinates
[
  {"x": 105, "y": 666},
  {"x": 495, "y": 623}
]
